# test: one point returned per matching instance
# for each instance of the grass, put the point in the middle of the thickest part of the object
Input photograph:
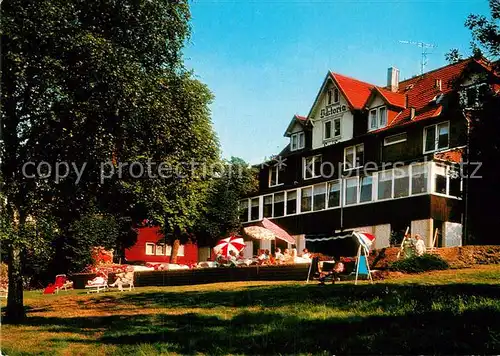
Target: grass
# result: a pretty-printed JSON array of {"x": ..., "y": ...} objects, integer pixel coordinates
[{"x": 450, "y": 312}]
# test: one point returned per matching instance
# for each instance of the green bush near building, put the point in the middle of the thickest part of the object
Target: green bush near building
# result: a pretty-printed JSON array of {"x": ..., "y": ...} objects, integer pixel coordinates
[{"x": 417, "y": 264}]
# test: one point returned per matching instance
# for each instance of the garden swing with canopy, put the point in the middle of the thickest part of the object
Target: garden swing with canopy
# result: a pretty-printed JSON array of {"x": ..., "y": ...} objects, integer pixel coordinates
[{"x": 353, "y": 243}]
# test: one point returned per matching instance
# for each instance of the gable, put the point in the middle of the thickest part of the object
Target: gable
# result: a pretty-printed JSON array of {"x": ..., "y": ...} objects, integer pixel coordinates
[{"x": 325, "y": 104}]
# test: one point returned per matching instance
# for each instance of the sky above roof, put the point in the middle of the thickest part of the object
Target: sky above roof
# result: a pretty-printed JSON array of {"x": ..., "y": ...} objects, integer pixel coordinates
[{"x": 265, "y": 60}]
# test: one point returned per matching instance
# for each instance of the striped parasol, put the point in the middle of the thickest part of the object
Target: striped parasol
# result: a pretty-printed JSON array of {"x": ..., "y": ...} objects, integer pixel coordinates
[
  {"x": 232, "y": 243},
  {"x": 365, "y": 239}
]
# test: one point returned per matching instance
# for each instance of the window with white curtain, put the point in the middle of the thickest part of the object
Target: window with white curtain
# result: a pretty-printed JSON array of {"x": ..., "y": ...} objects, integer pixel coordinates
[{"x": 351, "y": 190}]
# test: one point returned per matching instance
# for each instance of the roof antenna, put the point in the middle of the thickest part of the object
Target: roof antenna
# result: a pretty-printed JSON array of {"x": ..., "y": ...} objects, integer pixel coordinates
[{"x": 424, "y": 46}]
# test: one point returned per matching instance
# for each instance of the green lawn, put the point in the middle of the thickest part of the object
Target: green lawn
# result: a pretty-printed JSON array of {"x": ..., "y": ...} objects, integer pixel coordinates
[{"x": 456, "y": 311}]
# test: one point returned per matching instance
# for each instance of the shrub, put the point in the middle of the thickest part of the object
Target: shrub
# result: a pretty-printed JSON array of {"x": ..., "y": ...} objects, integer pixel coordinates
[{"x": 418, "y": 264}]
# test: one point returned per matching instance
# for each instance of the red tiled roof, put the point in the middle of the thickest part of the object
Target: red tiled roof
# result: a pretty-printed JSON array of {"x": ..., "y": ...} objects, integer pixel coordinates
[
  {"x": 301, "y": 118},
  {"x": 395, "y": 99},
  {"x": 422, "y": 90},
  {"x": 355, "y": 91}
]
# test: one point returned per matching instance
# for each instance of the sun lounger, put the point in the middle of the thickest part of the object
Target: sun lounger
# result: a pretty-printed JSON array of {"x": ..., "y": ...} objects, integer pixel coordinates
[
  {"x": 96, "y": 285},
  {"x": 62, "y": 283}
]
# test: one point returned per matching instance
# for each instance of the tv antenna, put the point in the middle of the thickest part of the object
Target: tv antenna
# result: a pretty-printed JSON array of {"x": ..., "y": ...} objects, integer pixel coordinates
[{"x": 425, "y": 47}]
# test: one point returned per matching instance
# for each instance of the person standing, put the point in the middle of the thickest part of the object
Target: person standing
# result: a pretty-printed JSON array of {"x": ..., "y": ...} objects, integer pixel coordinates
[
  {"x": 408, "y": 246},
  {"x": 419, "y": 245}
]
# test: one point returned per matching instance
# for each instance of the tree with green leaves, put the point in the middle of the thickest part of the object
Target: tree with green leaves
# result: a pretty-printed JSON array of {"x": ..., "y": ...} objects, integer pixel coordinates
[
  {"x": 235, "y": 179},
  {"x": 100, "y": 86},
  {"x": 484, "y": 132}
]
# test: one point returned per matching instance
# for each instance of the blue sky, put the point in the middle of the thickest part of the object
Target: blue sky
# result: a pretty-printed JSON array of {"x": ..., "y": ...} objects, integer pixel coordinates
[{"x": 265, "y": 60}]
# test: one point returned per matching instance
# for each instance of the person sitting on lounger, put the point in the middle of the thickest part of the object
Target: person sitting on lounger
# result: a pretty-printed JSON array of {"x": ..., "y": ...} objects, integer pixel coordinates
[
  {"x": 337, "y": 269},
  {"x": 232, "y": 256},
  {"x": 306, "y": 253},
  {"x": 241, "y": 256},
  {"x": 123, "y": 278}
]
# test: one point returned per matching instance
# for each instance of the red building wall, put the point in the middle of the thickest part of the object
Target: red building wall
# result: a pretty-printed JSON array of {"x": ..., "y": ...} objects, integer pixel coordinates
[{"x": 152, "y": 235}]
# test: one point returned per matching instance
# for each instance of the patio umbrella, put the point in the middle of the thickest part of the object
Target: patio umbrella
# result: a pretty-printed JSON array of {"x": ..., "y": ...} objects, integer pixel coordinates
[
  {"x": 232, "y": 243},
  {"x": 259, "y": 233},
  {"x": 268, "y": 231}
]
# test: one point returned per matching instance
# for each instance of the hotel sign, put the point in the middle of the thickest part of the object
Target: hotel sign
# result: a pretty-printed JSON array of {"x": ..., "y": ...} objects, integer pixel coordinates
[{"x": 332, "y": 110}]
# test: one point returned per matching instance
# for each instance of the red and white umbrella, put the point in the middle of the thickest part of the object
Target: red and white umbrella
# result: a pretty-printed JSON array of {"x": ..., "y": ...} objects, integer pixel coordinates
[
  {"x": 365, "y": 239},
  {"x": 233, "y": 243}
]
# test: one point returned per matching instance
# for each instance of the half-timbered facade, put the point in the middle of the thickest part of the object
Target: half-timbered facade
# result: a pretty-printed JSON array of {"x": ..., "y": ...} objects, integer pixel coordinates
[{"x": 377, "y": 159}]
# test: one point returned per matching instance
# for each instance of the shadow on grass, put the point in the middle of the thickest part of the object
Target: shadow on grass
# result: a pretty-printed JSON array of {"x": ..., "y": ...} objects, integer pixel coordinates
[
  {"x": 458, "y": 318},
  {"x": 340, "y": 296},
  {"x": 262, "y": 333}
]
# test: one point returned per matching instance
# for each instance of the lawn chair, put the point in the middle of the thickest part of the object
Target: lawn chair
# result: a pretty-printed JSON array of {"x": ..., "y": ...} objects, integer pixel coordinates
[
  {"x": 124, "y": 280},
  {"x": 62, "y": 282},
  {"x": 98, "y": 284}
]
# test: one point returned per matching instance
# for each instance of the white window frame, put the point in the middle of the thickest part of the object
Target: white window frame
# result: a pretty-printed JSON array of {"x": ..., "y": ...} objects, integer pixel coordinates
[
  {"x": 340, "y": 183},
  {"x": 397, "y": 141},
  {"x": 344, "y": 203},
  {"x": 332, "y": 131},
  {"x": 271, "y": 168},
  {"x": 336, "y": 92},
  {"x": 297, "y": 205},
  {"x": 248, "y": 209},
  {"x": 284, "y": 204},
  {"x": 312, "y": 199},
  {"x": 297, "y": 136},
  {"x": 436, "y": 137},
  {"x": 430, "y": 167},
  {"x": 259, "y": 217},
  {"x": 378, "y": 118},
  {"x": 355, "y": 156},
  {"x": 325, "y": 185},
  {"x": 154, "y": 248},
  {"x": 180, "y": 251},
  {"x": 272, "y": 205},
  {"x": 304, "y": 167},
  {"x": 331, "y": 94}
]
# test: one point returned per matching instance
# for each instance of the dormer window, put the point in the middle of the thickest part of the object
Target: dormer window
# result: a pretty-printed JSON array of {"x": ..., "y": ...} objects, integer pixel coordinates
[
  {"x": 297, "y": 141},
  {"x": 274, "y": 176},
  {"x": 333, "y": 96},
  {"x": 377, "y": 118},
  {"x": 474, "y": 95}
]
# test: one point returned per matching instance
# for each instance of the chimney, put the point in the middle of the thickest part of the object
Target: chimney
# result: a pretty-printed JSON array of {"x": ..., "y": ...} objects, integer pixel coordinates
[
  {"x": 393, "y": 79},
  {"x": 438, "y": 84},
  {"x": 412, "y": 113}
]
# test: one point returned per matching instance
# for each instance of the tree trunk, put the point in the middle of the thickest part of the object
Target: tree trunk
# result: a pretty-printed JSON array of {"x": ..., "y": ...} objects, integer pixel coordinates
[
  {"x": 15, "y": 305},
  {"x": 175, "y": 250}
]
